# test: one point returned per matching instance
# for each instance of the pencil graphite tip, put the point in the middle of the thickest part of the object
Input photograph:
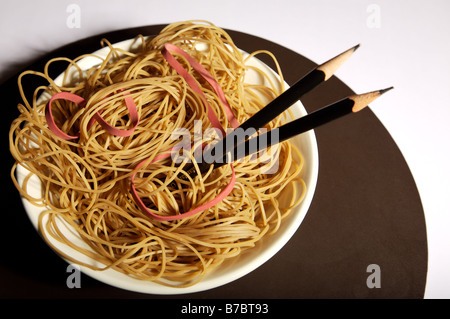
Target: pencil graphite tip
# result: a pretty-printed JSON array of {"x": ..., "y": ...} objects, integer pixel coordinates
[
  {"x": 330, "y": 67},
  {"x": 363, "y": 100},
  {"x": 385, "y": 90},
  {"x": 356, "y": 47}
]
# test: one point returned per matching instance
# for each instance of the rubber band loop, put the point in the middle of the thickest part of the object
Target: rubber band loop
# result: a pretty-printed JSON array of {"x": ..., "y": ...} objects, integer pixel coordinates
[
  {"x": 168, "y": 47},
  {"x": 131, "y": 106},
  {"x": 49, "y": 115},
  {"x": 190, "y": 213},
  {"x": 129, "y": 102},
  {"x": 211, "y": 116}
]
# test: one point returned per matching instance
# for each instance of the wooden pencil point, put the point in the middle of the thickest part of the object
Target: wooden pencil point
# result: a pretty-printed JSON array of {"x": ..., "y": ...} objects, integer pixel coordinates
[
  {"x": 330, "y": 67},
  {"x": 385, "y": 90},
  {"x": 363, "y": 100}
]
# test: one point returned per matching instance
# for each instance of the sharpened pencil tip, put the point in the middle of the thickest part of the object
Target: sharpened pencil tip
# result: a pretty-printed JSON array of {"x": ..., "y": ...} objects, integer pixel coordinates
[
  {"x": 363, "y": 100},
  {"x": 385, "y": 90},
  {"x": 356, "y": 47},
  {"x": 330, "y": 67}
]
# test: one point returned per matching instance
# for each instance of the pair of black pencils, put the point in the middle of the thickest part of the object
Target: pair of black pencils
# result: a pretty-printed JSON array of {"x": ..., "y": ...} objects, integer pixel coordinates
[{"x": 235, "y": 146}]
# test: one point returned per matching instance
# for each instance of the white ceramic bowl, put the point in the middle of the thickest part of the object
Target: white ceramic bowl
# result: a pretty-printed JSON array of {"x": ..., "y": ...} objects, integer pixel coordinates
[{"x": 232, "y": 269}]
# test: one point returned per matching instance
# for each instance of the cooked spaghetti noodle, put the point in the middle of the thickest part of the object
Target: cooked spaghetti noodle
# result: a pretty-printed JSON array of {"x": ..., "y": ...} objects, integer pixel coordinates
[{"x": 85, "y": 179}]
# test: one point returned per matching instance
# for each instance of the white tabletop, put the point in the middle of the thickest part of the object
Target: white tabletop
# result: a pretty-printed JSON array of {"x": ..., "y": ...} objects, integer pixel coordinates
[{"x": 403, "y": 43}]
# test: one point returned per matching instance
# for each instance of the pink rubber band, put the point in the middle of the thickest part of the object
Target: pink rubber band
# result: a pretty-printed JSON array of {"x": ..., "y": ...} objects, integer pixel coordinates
[
  {"x": 168, "y": 47},
  {"x": 49, "y": 115},
  {"x": 131, "y": 106},
  {"x": 129, "y": 102},
  {"x": 192, "y": 212},
  {"x": 211, "y": 116}
]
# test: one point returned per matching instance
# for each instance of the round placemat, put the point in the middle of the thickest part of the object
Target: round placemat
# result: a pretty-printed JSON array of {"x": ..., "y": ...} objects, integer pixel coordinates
[{"x": 363, "y": 237}]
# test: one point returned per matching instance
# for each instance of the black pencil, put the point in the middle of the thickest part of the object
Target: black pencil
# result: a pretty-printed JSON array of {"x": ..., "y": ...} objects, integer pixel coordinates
[
  {"x": 311, "y": 80},
  {"x": 334, "y": 111},
  {"x": 348, "y": 105},
  {"x": 243, "y": 148}
]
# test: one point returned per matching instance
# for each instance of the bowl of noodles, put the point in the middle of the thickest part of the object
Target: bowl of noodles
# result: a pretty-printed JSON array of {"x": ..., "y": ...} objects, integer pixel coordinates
[{"x": 98, "y": 162}]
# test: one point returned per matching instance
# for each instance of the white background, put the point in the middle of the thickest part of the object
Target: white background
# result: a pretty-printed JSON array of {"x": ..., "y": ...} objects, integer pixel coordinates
[{"x": 405, "y": 43}]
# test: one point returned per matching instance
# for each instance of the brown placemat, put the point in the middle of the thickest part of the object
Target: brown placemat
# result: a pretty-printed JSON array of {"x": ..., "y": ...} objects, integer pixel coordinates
[{"x": 366, "y": 210}]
